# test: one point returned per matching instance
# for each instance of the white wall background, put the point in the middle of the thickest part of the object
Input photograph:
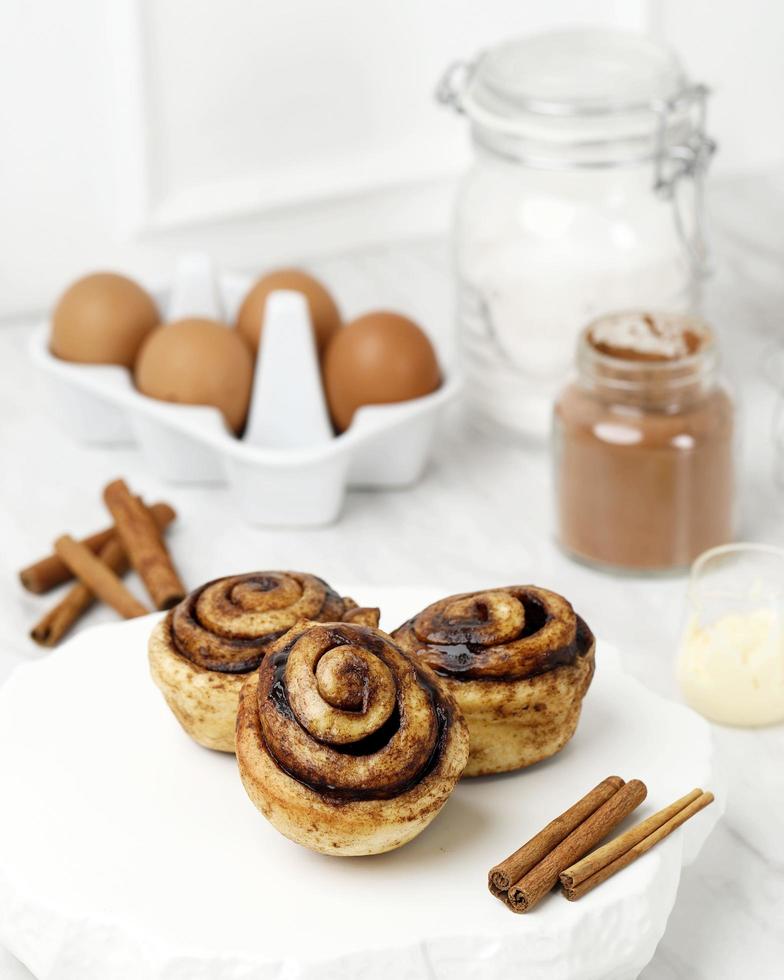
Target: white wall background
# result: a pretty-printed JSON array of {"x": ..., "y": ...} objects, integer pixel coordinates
[{"x": 268, "y": 131}]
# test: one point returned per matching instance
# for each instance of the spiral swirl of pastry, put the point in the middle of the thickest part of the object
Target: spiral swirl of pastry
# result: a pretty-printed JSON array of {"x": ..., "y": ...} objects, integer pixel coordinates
[
  {"x": 509, "y": 633},
  {"x": 228, "y": 624},
  {"x": 346, "y": 713}
]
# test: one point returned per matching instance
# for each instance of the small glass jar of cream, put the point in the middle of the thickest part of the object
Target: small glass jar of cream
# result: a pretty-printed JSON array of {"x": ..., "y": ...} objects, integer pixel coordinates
[
  {"x": 731, "y": 660},
  {"x": 644, "y": 445}
]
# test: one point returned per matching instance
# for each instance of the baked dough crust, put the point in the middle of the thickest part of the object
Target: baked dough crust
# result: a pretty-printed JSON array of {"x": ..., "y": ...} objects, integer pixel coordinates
[
  {"x": 204, "y": 650},
  {"x": 517, "y": 660},
  {"x": 203, "y": 701},
  {"x": 339, "y": 802}
]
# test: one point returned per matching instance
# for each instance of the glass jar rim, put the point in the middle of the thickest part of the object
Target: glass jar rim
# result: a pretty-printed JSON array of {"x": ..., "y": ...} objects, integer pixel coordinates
[
  {"x": 584, "y": 74},
  {"x": 696, "y": 586},
  {"x": 530, "y": 100},
  {"x": 626, "y": 376},
  {"x": 735, "y": 547}
]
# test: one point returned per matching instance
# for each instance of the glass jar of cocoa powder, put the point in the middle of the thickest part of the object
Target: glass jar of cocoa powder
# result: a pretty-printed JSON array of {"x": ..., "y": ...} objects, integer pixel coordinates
[{"x": 644, "y": 444}]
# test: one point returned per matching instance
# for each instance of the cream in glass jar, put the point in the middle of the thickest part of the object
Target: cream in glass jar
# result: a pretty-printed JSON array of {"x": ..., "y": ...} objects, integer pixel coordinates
[
  {"x": 731, "y": 660},
  {"x": 584, "y": 197}
]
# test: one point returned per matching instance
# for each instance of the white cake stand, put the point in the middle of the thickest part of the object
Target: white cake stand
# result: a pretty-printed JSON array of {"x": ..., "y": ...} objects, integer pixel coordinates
[{"x": 129, "y": 853}]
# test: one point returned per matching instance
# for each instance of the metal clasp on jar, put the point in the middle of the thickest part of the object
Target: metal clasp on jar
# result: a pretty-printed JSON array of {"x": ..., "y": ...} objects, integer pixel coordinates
[
  {"x": 690, "y": 158},
  {"x": 453, "y": 83}
]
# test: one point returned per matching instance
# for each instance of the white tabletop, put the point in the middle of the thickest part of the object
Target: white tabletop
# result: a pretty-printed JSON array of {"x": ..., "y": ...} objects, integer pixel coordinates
[{"x": 481, "y": 516}]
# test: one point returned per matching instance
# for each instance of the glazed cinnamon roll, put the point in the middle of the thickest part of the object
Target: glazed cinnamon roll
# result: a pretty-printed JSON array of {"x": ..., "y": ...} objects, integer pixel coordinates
[
  {"x": 518, "y": 661},
  {"x": 345, "y": 744},
  {"x": 203, "y": 651}
]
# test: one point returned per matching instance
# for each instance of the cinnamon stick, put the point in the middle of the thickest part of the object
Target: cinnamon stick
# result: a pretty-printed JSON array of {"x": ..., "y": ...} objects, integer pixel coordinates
[
  {"x": 144, "y": 546},
  {"x": 98, "y": 577},
  {"x": 603, "y": 856},
  {"x": 534, "y": 885},
  {"x": 584, "y": 876},
  {"x": 47, "y": 573},
  {"x": 504, "y": 875},
  {"x": 52, "y": 627}
]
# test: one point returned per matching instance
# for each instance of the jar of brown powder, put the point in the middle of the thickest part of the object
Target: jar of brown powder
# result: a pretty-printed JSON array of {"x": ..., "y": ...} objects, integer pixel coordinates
[{"x": 644, "y": 444}]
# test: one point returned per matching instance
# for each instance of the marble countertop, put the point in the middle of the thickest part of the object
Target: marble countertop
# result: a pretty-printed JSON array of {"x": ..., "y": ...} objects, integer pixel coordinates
[{"x": 480, "y": 516}]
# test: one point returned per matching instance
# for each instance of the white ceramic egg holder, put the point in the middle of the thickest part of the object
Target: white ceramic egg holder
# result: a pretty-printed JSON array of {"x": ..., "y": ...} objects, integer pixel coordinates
[{"x": 289, "y": 467}]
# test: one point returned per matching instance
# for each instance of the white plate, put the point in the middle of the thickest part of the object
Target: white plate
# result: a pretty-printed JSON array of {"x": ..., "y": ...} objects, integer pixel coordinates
[{"x": 128, "y": 852}]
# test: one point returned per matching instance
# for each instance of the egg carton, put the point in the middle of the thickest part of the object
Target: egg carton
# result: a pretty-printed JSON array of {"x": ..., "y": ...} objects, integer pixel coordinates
[{"x": 289, "y": 468}]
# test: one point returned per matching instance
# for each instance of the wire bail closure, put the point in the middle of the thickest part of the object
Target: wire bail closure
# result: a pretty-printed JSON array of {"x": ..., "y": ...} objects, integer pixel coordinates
[
  {"x": 684, "y": 159},
  {"x": 688, "y": 159},
  {"x": 453, "y": 83}
]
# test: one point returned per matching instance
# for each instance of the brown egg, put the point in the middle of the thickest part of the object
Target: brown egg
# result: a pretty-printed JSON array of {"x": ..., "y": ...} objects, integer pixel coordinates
[
  {"x": 198, "y": 362},
  {"x": 378, "y": 358},
  {"x": 323, "y": 311},
  {"x": 102, "y": 319}
]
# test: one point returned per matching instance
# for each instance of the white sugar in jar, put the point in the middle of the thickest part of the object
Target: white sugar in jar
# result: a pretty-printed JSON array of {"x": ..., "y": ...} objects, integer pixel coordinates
[{"x": 584, "y": 198}]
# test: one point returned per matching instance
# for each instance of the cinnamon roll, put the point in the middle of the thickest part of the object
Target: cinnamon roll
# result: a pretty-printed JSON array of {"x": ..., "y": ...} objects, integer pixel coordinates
[
  {"x": 345, "y": 744},
  {"x": 518, "y": 661},
  {"x": 203, "y": 651}
]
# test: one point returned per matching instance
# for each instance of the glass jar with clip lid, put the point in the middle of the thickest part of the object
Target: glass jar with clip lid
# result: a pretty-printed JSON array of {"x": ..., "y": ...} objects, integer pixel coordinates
[{"x": 585, "y": 196}]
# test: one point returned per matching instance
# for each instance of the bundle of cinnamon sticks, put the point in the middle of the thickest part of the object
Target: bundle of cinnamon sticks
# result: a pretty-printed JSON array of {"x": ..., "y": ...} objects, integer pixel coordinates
[
  {"x": 97, "y": 563},
  {"x": 562, "y": 851}
]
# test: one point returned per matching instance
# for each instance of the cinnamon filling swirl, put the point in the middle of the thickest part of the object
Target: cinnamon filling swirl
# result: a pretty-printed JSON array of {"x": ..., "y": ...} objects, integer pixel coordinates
[
  {"x": 511, "y": 633},
  {"x": 343, "y": 711},
  {"x": 228, "y": 624}
]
